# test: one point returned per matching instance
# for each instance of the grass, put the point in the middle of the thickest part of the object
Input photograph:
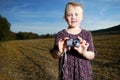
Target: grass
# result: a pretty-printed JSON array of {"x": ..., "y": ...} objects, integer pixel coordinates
[
  {"x": 106, "y": 65},
  {"x": 30, "y": 59}
]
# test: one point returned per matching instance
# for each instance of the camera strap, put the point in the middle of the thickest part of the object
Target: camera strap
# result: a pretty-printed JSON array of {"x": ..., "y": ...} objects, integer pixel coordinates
[{"x": 65, "y": 65}]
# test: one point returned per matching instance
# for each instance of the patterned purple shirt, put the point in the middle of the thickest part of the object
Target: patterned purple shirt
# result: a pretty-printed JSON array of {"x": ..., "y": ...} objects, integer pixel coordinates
[{"x": 76, "y": 67}]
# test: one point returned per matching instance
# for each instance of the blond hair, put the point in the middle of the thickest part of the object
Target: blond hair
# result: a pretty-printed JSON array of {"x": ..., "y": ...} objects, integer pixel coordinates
[{"x": 74, "y": 4}]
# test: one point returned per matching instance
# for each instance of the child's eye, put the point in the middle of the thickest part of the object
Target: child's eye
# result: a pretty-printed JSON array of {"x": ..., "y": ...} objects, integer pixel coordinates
[
  {"x": 68, "y": 14},
  {"x": 76, "y": 14}
]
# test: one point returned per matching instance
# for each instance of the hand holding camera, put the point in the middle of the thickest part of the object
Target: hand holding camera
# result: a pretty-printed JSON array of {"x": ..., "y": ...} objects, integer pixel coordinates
[
  {"x": 83, "y": 46},
  {"x": 78, "y": 44}
]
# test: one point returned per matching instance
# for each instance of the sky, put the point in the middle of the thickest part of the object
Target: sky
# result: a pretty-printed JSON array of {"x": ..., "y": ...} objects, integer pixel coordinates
[{"x": 46, "y": 16}]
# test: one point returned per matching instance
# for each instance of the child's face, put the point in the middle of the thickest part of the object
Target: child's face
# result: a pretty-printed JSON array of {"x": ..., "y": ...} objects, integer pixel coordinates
[{"x": 74, "y": 16}]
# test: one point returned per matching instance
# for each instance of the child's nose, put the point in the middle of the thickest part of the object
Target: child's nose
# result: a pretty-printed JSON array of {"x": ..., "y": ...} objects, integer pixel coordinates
[{"x": 73, "y": 16}]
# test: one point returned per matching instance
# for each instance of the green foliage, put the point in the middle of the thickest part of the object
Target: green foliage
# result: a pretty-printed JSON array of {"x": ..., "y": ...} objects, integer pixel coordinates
[
  {"x": 4, "y": 29},
  {"x": 6, "y": 34},
  {"x": 47, "y": 35},
  {"x": 26, "y": 35}
]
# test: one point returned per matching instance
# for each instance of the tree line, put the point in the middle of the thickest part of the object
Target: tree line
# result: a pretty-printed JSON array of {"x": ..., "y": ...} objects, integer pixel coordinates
[{"x": 7, "y": 34}]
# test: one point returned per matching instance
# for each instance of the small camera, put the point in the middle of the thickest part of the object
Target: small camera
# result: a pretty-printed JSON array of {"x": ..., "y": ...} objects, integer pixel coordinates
[{"x": 73, "y": 42}]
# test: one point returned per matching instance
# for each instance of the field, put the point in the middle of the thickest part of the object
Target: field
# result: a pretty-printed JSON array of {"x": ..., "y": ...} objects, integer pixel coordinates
[
  {"x": 106, "y": 65},
  {"x": 30, "y": 59}
]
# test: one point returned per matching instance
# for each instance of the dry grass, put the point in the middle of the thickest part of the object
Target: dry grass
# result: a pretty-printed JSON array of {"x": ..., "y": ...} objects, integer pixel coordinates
[
  {"x": 30, "y": 59},
  {"x": 106, "y": 65},
  {"x": 27, "y": 60}
]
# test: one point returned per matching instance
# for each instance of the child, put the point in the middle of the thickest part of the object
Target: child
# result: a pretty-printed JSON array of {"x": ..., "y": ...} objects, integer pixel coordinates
[{"x": 74, "y": 61}]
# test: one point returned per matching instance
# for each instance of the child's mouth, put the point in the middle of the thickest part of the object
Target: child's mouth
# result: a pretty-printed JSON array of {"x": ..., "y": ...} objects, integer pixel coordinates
[{"x": 73, "y": 21}]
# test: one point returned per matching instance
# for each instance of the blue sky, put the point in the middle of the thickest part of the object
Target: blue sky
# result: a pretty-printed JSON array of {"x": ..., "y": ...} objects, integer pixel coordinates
[{"x": 46, "y": 16}]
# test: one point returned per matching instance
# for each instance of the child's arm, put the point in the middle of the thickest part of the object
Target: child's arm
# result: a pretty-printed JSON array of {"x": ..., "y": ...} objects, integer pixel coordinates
[
  {"x": 55, "y": 54},
  {"x": 58, "y": 50},
  {"x": 83, "y": 49},
  {"x": 89, "y": 55}
]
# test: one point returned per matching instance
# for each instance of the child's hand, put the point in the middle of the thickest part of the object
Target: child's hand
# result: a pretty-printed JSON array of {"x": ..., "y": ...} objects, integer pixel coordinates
[
  {"x": 61, "y": 44},
  {"x": 83, "y": 46}
]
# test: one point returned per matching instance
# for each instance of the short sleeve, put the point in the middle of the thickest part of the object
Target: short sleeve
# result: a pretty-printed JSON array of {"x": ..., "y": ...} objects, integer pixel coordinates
[{"x": 90, "y": 41}]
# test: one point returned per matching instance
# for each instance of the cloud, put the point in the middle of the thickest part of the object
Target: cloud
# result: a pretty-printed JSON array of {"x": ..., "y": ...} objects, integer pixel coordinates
[
  {"x": 19, "y": 12},
  {"x": 39, "y": 26},
  {"x": 110, "y": 0},
  {"x": 38, "y": 14},
  {"x": 40, "y": 18},
  {"x": 16, "y": 8},
  {"x": 95, "y": 23},
  {"x": 101, "y": 14}
]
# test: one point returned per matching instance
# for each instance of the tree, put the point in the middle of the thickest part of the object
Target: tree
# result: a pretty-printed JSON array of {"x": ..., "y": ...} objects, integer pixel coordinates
[
  {"x": 26, "y": 35},
  {"x": 4, "y": 29}
]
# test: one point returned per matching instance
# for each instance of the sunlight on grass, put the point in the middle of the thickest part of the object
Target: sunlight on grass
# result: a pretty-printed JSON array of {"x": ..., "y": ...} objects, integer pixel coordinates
[{"x": 30, "y": 59}]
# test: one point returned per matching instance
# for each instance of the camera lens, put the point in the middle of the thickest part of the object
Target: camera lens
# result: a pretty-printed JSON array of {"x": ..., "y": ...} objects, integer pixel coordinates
[{"x": 76, "y": 43}]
